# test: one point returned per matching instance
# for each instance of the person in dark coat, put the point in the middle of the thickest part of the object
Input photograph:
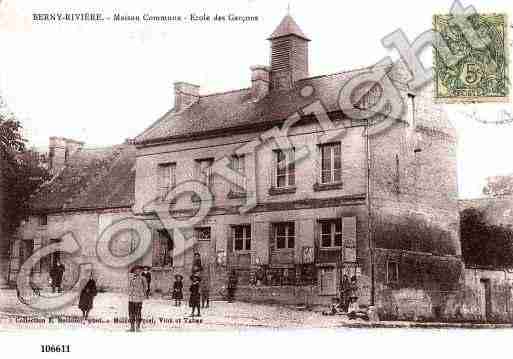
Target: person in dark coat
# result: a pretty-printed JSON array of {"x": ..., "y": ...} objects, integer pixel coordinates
[
  {"x": 56, "y": 274},
  {"x": 195, "y": 298},
  {"x": 205, "y": 293},
  {"x": 178, "y": 290},
  {"x": 196, "y": 264},
  {"x": 345, "y": 293},
  {"x": 86, "y": 297},
  {"x": 232, "y": 286},
  {"x": 147, "y": 275}
]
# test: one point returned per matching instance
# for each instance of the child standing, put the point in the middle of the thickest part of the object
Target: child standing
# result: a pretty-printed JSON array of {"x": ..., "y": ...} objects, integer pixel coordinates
[
  {"x": 194, "y": 300},
  {"x": 178, "y": 290},
  {"x": 205, "y": 293}
]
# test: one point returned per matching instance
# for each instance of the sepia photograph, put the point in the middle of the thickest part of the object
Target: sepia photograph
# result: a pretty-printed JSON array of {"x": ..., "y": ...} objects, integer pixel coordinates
[{"x": 288, "y": 167}]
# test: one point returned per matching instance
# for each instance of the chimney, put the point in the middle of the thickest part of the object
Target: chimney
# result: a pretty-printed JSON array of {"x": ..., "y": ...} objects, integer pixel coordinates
[
  {"x": 259, "y": 81},
  {"x": 60, "y": 150},
  {"x": 185, "y": 95}
]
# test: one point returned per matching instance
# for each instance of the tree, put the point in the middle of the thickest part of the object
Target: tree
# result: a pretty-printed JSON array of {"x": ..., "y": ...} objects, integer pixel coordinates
[
  {"x": 11, "y": 139},
  {"x": 485, "y": 244},
  {"x": 21, "y": 170},
  {"x": 497, "y": 186}
]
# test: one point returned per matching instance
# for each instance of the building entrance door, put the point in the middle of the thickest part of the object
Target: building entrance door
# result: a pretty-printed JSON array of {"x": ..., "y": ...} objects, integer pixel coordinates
[{"x": 486, "y": 306}]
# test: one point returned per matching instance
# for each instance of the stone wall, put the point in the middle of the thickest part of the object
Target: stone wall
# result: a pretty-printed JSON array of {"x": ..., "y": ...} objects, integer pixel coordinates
[
  {"x": 85, "y": 227},
  {"x": 4, "y": 243},
  {"x": 464, "y": 303}
]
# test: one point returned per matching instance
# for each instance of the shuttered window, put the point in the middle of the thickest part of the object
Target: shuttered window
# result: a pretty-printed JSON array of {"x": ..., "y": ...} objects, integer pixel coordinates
[
  {"x": 331, "y": 163},
  {"x": 331, "y": 233},
  {"x": 284, "y": 235},
  {"x": 285, "y": 168},
  {"x": 166, "y": 173},
  {"x": 204, "y": 172},
  {"x": 241, "y": 235},
  {"x": 238, "y": 164}
]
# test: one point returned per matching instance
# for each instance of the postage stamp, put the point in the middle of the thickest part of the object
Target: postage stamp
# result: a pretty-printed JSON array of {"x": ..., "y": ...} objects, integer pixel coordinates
[{"x": 471, "y": 64}]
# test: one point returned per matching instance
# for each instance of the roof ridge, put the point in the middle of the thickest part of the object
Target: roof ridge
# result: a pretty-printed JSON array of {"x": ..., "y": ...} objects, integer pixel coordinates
[
  {"x": 225, "y": 92},
  {"x": 106, "y": 147},
  {"x": 340, "y": 72}
]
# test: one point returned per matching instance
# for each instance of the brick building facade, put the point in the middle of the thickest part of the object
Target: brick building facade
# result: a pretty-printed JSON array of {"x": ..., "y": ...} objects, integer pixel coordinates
[{"x": 382, "y": 208}]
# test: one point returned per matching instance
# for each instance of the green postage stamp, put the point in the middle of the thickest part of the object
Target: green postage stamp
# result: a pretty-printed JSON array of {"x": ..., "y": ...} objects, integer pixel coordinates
[{"x": 471, "y": 58}]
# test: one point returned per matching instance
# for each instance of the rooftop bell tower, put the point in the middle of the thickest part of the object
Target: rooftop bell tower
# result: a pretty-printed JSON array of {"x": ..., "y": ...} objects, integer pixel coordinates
[{"x": 289, "y": 54}]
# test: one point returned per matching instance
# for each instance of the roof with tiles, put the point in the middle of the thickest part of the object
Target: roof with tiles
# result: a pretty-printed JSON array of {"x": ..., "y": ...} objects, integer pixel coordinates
[
  {"x": 288, "y": 27},
  {"x": 236, "y": 109},
  {"x": 93, "y": 178}
]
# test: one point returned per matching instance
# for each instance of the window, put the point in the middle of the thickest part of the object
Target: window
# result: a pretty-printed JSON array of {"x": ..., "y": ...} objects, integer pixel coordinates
[
  {"x": 202, "y": 233},
  {"x": 284, "y": 235},
  {"x": 238, "y": 164},
  {"x": 166, "y": 178},
  {"x": 163, "y": 249},
  {"x": 204, "y": 171},
  {"x": 392, "y": 271},
  {"x": 242, "y": 238},
  {"x": 285, "y": 168},
  {"x": 331, "y": 163},
  {"x": 43, "y": 220},
  {"x": 331, "y": 233}
]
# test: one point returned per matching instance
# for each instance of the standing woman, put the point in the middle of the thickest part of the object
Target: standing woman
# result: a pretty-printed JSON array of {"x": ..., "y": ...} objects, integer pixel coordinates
[
  {"x": 86, "y": 297},
  {"x": 178, "y": 290}
]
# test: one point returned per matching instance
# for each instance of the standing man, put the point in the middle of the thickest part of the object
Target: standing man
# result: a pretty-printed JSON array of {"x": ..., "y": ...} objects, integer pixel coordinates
[
  {"x": 197, "y": 267},
  {"x": 345, "y": 293},
  {"x": 137, "y": 287},
  {"x": 56, "y": 274},
  {"x": 232, "y": 286},
  {"x": 147, "y": 275}
]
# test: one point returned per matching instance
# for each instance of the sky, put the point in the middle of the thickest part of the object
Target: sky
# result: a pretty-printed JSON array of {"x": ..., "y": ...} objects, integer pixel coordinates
[{"x": 103, "y": 83}]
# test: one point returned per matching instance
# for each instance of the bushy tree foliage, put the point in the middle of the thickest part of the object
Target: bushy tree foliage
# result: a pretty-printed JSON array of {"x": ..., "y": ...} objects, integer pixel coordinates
[
  {"x": 485, "y": 244},
  {"x": 21, "y": 170}
]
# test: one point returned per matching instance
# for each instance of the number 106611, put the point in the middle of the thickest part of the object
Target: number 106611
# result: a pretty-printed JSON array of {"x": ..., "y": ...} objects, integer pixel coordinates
[{"x": 52, "y": 348}]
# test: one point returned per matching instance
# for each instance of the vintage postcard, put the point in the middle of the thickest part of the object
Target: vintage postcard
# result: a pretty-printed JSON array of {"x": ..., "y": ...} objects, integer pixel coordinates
[
  {"x": 181, "y": 167},
  {"x": 470, "y": 68}
]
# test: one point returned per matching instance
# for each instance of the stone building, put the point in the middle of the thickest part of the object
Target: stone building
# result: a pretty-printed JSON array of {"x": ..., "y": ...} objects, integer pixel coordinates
[
  {"x": 310, "y": 224},
  {"x": 378, "y": 205},
  {"x": 90, "y": 188},
  {"x": 4, "y": 247},
  {"x": 489, "y": 288}
]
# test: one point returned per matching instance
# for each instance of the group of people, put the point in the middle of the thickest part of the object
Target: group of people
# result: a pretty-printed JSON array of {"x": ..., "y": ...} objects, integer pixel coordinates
[
  {"x": 139, "y": 289},
  {"x": 199, "y": 289},
  {"x": 347, "y": 302}
]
